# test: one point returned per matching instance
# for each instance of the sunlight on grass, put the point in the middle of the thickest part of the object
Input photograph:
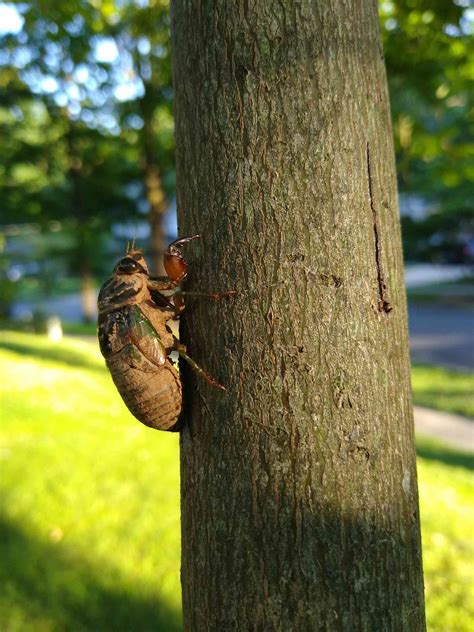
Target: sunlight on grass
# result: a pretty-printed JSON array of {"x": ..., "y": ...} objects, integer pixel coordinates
[
  {"x": 443, "y": 389},
  {"x": 89, "y": 533},
  {"x": 89, "y": 497},
  {"x": 447, "y": 518}
]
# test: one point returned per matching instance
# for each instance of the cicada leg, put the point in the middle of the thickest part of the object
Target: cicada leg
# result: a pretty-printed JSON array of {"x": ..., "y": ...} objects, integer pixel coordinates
[
  {"x": 175, "y": 265},
  {"x": 176, "y": 268},
  {"x": 160, "y": 284},
  {"x": 181, "y": 349},
  {"x": 215, "y": 296}
]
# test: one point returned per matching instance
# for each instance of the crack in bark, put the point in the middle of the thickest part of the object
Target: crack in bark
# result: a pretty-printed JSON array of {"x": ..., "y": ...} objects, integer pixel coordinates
[{"x": 383, "y": 304}]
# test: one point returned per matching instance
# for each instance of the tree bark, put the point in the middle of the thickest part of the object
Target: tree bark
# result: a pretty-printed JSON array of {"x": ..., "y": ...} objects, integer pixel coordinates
[
  {"x": 298, "y": 485},
  {"x": 153, "y": 184}
]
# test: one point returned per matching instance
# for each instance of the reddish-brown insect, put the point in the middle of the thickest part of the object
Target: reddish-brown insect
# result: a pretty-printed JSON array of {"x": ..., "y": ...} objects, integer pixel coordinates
[{"x": 136, "y": 341}]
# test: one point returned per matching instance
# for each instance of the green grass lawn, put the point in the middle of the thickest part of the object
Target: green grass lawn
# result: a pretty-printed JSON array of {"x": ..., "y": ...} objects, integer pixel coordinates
[
  {"x": 90, "y": 530},
  {"x": 447, "y": 522},
  {"x": 89, "y": 527},
  {"x": 443, "y": 389}
]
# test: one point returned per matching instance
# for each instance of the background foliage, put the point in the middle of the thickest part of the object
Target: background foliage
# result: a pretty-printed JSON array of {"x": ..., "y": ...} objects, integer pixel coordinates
[
  {"x": 87, "y": 131},
  {"x": 430, "y": 66}
]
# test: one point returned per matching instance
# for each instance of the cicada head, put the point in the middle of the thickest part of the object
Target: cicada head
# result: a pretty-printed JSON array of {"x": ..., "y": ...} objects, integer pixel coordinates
[
  {"x": 128, "y": 284},
  {"x": 132, "y": 263}
]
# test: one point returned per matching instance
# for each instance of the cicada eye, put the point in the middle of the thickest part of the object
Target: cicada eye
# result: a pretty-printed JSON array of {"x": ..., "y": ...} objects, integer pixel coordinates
[{"x": 128, "y": 266}]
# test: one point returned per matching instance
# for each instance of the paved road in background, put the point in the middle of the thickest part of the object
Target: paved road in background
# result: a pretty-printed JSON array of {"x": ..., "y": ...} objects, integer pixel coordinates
[
  {"x": 442, "y": 335},
  {"x": 454, "y": 430}
]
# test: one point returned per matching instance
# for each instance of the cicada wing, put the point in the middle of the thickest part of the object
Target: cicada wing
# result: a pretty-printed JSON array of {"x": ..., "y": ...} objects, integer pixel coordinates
[
  {"x": 113, "y": 331},
  {"x": 145, "y": 337},
  {"x": 128, "y": 325}
]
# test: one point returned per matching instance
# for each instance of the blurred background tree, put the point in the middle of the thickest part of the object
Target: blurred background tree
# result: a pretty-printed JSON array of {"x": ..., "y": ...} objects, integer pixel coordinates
[
  {"x": 86, "y": 114},
  {"x": 86, "y": 126},
  {"x": 141, "y": 33},
  {"x": 430, "y": 64}
]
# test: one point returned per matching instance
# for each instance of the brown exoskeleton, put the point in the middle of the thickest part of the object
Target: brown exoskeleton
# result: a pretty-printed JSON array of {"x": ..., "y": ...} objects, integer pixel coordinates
[{"x": 136, "y": 341}]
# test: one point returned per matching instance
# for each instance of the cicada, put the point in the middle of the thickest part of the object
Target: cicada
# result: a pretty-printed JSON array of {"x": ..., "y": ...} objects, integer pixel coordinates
[{"x": 136, "y": 340}]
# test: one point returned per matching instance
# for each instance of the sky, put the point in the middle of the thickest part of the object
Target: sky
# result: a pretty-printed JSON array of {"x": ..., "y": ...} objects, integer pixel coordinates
[{"x": 10, "y": 20}]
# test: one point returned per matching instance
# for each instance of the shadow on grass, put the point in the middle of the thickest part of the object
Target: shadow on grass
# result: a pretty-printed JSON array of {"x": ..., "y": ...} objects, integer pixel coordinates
[
  {"x": 435, "y": 451},
  {"x": 44, "y": 584},
  {"x": 57, "y": 354}
]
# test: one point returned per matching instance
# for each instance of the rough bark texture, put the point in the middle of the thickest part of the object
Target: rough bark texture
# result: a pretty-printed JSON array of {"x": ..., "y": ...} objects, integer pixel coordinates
[{"x": 299, "y": 489}]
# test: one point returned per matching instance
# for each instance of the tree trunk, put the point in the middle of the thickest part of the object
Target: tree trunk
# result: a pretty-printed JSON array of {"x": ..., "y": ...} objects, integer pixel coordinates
[
  {"x": 78, "y": 212},
  {"x": 153, "y": 185},
  {"x": 88, "y": 294},
  {"x": 298, "y": 485}
]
